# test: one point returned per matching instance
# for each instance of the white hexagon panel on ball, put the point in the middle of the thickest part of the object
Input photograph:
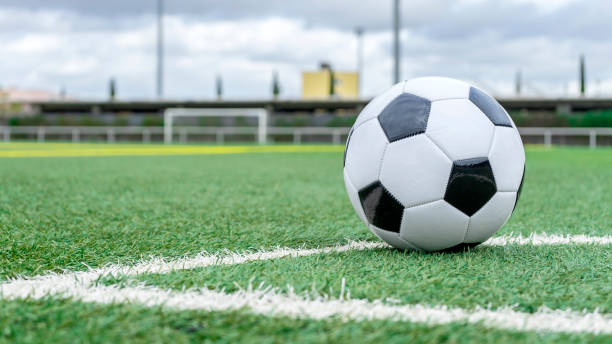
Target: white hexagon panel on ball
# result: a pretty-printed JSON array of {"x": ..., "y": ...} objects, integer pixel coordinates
[
  {"x": 364, "y": 152},
  {"x": 415, "y": 171},
  {"x": 507, "y": 157},
  {"x": 434, "y": 226},
  {"x": 460, "y": 129}
]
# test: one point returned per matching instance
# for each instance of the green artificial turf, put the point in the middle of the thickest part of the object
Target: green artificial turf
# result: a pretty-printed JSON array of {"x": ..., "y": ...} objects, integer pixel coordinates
[
  {"x": 70, "y": 213},
  {"x": 57, "y": 213},
  {"x": 566, "y": 190}
]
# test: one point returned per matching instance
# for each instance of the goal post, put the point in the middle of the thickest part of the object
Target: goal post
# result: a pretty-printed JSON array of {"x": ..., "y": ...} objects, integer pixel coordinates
[{"x": 262, "y": 118}]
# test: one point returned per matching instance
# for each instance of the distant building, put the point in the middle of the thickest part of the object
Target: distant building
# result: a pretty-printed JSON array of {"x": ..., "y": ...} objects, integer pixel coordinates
[
  {"x": 317, "y": 84},
  {"x": 14, "y": 101},
  {"x": 14, "y": 95}
]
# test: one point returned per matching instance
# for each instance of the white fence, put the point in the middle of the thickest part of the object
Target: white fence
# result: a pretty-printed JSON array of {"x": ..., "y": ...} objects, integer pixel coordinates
[
  {"x": 548, "y": 133},
  {"x": 219, "y": 134}
]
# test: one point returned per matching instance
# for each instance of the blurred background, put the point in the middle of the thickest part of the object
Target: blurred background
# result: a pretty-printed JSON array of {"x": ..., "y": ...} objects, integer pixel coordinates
[{"x": 107, "y": 70}]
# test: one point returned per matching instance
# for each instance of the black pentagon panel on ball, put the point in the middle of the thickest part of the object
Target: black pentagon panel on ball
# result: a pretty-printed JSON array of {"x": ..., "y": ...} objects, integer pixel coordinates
[
  {"x": 381, "y": 208},
  {"x": 490, "y": 107},
  {"x": 518, "y": 193},
  {"x": 471, "y": 185},
  {"x": 405, "y": 116}
]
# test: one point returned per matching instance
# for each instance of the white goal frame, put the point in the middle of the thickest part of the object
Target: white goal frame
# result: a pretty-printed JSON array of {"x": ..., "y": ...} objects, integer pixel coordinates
[{"x": 260, "y": 113}]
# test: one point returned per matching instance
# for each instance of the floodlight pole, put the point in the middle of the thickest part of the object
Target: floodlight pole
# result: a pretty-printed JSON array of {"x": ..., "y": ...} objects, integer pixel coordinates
[
  {"x": 359, "y": 34},
  {"x": 518, "y": 81},
  {"x": 396, "y": 41},
  {"x": 160, "y": 49},
  {"x": 582, "y": 77}
]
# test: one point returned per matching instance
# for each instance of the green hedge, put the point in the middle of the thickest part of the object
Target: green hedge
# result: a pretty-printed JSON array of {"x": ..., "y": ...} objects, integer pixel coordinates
[
  {"x": 598, "y": 118},
  {"x": 85, "y": 121},
  {"x": 592, "y": 119}
]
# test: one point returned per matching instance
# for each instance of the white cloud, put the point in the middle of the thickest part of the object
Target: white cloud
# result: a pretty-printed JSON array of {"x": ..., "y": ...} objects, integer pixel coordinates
[
  {"x": 59, "y": 47},
  {"x": 245, "y": 53},
  {"x": 546, "y": 5}
]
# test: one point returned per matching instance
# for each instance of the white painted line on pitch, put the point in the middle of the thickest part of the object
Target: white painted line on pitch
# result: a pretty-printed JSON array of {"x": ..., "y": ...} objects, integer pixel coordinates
[
  {"x": 549, "y": 239},
  {"x": 161, "y": 265},
  {"x": 35, "y": 286},
  {"x": 269, "y": 303},
  {"x": 158, "y": 265}
]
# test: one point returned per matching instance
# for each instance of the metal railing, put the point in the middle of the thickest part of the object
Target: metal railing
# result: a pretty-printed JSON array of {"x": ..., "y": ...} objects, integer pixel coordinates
[
  {"x": 296, "y": 134},
  {"x": 548, "y": 133}
]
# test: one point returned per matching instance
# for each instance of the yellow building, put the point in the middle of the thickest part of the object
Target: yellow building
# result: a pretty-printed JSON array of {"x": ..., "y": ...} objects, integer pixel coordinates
[{"x": 316, "y": 85}]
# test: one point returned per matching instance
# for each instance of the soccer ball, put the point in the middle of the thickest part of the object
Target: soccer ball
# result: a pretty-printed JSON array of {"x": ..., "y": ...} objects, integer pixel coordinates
[{"x": 432, "y": 164}]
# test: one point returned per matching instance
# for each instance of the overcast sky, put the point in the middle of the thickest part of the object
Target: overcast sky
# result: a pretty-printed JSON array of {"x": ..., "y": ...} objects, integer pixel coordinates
[{"x": 80, "y": 44}]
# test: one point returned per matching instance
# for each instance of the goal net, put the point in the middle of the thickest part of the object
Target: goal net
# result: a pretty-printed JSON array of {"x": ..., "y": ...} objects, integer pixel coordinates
[{"x": 261, "y": 114}]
